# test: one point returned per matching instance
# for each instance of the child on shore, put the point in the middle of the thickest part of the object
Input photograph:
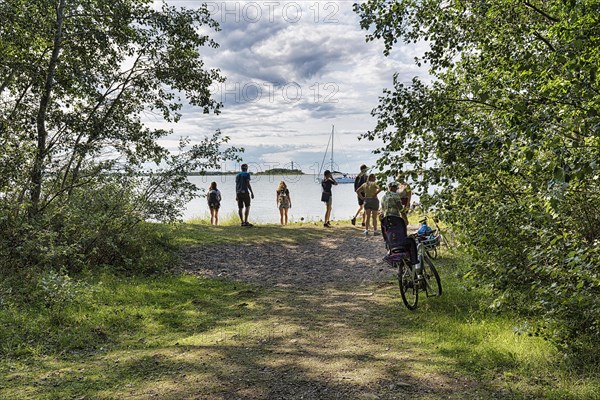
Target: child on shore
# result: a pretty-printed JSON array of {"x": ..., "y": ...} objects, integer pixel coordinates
[
  {"x": 284, "y": 202},
  {"x": 214, "y": 203}
]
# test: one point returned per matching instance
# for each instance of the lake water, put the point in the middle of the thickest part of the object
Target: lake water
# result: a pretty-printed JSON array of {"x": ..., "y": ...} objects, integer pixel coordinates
[{"x": 305, "y": 192}]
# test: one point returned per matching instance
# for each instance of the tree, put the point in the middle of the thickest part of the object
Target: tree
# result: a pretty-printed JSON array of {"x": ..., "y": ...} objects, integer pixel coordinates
[
  {"x": 79, "y": 80},
  {"x": 506, "y": 129}
]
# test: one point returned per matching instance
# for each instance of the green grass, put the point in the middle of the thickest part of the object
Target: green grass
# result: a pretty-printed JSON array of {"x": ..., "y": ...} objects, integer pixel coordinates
[
  {"x": 175, "y": 336},
  {"x": 42, "y": 359},
  {"x": 454, "y": 336},
  {"x": 200, "y": 232}
]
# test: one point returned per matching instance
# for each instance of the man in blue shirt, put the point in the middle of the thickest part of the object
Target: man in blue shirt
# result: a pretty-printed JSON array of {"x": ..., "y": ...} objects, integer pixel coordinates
[{"x": 243, "y": 194}]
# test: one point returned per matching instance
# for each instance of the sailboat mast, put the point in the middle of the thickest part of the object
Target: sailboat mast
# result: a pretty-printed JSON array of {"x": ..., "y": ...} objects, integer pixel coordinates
[{"x": 332, "y": 128}]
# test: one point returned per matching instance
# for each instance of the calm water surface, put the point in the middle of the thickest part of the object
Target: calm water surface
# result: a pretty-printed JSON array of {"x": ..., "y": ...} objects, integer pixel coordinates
[{"x": 305, "y": 192}]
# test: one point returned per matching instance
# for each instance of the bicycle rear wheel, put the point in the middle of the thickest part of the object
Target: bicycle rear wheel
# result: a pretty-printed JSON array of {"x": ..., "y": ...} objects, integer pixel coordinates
[
  {"x": 433, "y": 284},
  {"x": 408, "y": 285}
]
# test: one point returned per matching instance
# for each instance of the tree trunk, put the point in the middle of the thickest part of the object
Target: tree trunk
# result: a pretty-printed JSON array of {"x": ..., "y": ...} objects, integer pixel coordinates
[{"x": 42, "y": 135}]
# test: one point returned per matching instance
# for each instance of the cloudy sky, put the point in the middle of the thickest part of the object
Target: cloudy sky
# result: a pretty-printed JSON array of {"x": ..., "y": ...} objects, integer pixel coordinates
[{"x": 294, "y": 69}]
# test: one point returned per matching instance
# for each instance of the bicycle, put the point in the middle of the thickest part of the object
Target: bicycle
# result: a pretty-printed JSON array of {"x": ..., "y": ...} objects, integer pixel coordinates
[
  {"x": 431, "y": 242},
  {"x": 415, "y": 277},
  {"x": 441, "y": 237},
  {"x": 430, "y": 238}
]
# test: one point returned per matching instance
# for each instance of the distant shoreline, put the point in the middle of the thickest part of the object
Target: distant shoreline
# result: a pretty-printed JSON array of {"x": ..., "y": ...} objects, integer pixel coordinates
[{"x": 278, "y": 172}]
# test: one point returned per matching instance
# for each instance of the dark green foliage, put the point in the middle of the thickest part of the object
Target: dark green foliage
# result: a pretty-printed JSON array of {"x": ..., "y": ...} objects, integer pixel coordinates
[
  {"x": 508, "y": 134},
  {"x": 89, "y": 236}
]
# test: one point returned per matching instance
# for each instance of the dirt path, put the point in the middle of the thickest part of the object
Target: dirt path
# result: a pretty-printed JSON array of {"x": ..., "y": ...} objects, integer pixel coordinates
[
  {"x": 331, "y": 326},
  {"x": 346, "y": 257}
]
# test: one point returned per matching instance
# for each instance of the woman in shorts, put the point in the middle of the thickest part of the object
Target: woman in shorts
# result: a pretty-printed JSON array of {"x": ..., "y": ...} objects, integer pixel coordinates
[
  {"x": 214, "y": 203},
  {"x": 369, "y": 191},
  {"x": 326, "y": 197},
  {"x": 284, "y": 202}
]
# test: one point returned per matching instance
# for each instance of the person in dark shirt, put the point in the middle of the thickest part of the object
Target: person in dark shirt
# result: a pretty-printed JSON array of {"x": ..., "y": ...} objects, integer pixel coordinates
[
  {"x": 214, "y": 203},
  {"x": 360, "y": 180},
  {"x": 326, "y": 196},
  {"x": 243, "y": 194}
]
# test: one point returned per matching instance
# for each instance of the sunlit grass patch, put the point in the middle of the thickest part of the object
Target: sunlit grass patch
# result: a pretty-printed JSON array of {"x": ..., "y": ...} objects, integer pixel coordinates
[
  {"x": 203, "y": 234},
  {"x": 179, "y": 336}
]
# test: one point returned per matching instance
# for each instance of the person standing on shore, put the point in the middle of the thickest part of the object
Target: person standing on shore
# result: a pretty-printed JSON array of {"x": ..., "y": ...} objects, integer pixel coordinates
[
  {"x": 405, "y": 192},
  {"x": 243, "y": 194},
  {"x": 360, "y": 180},
  {"x": 214, "y": 203},
  {"x": 326, "y": 184},
  {"x": 284, "y": 202},
  {"x": 368, "y": 192}
]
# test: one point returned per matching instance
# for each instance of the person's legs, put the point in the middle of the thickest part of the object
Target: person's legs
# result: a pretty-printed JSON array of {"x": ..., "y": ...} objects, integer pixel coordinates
[
  {"x": 281, "y": 212},
  {"x": 212, "y": 216},
  {"x": 244, "y": 201},
  {"x": 216, "y": 216},
  {"x": 358, "y": 211},
  {"x": 405, "y": 217},
  {"x": 327, "y": 213},
  {"x": 368, "y": 218},
  {"x": 374, "y": 218},
  {"x": 240, "y": 203},
  {"x": 285, "y": 215}
]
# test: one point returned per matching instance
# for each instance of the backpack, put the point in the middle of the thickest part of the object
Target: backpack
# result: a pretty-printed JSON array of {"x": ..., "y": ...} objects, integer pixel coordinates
[
  {"x": 424, "y": 230},
  {"x": 282, "y": 195},
  {"x": 213, "y": 197}
]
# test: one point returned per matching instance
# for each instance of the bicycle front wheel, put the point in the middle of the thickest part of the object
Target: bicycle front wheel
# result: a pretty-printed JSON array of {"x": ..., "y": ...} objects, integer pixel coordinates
[
  {"x": 408, "y": 285},
  {"x": 432, "y": 252},
  {"x": 444, "y": 241},
  {"x": 433, "y": 284}
]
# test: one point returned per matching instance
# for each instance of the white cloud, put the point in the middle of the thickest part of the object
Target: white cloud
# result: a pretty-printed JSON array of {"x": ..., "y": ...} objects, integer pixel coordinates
[{"x": 293, "y": 70}]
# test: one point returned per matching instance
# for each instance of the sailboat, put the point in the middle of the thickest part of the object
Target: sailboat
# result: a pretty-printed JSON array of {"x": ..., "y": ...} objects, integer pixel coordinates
[{"x": 340, "y": 177}]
